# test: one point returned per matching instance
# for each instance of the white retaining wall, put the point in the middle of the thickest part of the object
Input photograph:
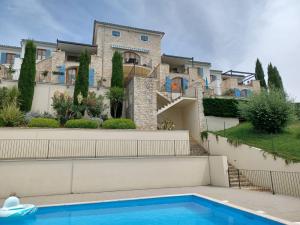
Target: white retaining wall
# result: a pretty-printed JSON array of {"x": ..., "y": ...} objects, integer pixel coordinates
[
  {"x": 49, "y": 177},
  {"x": 246, "y": 157},
  {"x": 213, "y": 123},
  {"x": 43, "y": 93}
]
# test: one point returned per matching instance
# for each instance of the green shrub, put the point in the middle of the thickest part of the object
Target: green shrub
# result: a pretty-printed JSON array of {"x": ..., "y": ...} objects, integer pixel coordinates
[
  {"x": 11, "y": 115},
  {"x": 43, "y": 122},
  {"x": 118, "y": 124},
  {"x": 221, "y": 107},
  {"x": 270, "y": 111},
  {"x": 297, "y": 108},
  {"x": 82, "y": 123},
  {"x": 8, "y": 96}
]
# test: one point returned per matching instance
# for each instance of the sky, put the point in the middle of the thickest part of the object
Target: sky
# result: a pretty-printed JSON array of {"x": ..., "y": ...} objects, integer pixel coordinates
[{"x": 231, "y": 34}]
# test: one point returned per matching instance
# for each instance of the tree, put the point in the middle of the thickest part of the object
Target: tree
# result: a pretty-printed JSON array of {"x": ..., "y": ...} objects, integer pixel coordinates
[
  {"x": 259, "y": 74},
  {"x": 82, "y": 79},
  {"x": 270, "y": 111},
  {"x": 27, "y": 77},
  {"x": 116, "y": 97},
  {"x": 117, "y": 78},
  {"x": 274, "y": 78}
]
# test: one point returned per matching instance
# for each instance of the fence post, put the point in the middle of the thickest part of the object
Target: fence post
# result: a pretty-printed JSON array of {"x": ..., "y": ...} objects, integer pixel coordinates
[
  {"x": 174, "y": 148},
  {"x": 48, "y": 149},
  {"x": 239, "y": 178},
  {"x": 95, "y": 148},
  {"x": 272, "y": 185},
  {"x": 224, "y": 128},
  {"x": 137, "y": 148}
]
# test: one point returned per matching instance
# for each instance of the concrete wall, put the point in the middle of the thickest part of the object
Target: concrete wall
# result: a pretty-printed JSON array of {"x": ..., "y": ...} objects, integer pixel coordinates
[
  {"x": 41, "y": 177},
  {"x": 218, "y": 171},
  {"x": 246, "y": 157},
  {"x": 213, "y": 123}
]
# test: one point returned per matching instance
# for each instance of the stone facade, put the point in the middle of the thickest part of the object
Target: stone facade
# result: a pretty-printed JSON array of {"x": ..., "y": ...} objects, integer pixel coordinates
[
  {"x": 148, "y": 51},
  {"x": 142, "y": 102}
]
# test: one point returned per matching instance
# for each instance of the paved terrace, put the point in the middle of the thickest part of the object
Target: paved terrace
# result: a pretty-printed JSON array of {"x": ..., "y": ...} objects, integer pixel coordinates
[{"x": 284, "y": 207}]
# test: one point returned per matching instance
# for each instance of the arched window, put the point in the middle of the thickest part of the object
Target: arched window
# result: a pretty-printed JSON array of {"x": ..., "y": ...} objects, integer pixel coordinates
[{"x": 132, "y": 58}]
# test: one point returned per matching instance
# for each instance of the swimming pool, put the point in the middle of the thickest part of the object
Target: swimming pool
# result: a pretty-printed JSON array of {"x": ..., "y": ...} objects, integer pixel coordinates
[{"x": 172, "y": 210}]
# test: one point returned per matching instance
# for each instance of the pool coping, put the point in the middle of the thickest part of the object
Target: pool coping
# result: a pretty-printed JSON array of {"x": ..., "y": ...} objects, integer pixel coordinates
[{"x": 222, "y": 202}]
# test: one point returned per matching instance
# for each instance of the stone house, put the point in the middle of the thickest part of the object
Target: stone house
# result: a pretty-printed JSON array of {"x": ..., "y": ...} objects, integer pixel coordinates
[{"x": 160, "y": 88}]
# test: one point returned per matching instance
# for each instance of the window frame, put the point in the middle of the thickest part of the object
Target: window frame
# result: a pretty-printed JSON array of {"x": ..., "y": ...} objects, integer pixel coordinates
[
  {"x": 43, "y": 56},
  {"x": 114, "y": 32},
  {"x": 199, "y": 71},
  {"x": 10, "y": 58},
  {"x": 144, "y": 35}
]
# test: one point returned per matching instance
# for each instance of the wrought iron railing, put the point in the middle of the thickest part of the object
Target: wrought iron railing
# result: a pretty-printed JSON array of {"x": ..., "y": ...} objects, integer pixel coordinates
[
  {"x": 11, "y": 149},
  {"x": 277, "y": 182}
]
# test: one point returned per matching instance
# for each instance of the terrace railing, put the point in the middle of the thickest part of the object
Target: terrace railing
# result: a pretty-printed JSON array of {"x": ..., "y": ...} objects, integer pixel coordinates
[
  {"x": 277, "y": 182},
  {"x": 14, "y": 149}
]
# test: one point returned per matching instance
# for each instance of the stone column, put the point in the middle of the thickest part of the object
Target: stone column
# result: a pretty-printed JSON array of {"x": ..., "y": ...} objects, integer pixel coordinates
[{"x": 144, "y": 102}]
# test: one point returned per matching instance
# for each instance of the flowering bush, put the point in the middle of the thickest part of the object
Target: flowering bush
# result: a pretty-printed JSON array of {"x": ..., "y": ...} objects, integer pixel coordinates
[{"x": 66, "y": 110}]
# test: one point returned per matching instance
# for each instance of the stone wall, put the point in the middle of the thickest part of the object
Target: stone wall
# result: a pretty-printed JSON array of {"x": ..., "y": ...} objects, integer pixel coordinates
[
  {"x": 128, "y": 38},
  {"x": 143, "y": 107}
]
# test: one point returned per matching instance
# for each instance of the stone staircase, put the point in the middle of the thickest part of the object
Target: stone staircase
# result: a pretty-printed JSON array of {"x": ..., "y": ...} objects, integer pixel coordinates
[
  {"x": 238, "y": 180},
  {"x": 196, "y": 149},
  {"x": 173, "y": 102}
]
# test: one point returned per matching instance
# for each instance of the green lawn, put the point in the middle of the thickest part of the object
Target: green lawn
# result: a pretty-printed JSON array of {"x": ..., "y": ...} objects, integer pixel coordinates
[{"x": 285, "y": 145}]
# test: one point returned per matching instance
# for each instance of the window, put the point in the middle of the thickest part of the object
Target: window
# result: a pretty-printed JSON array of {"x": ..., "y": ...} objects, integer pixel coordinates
[
  {"x": 213, "y": 78},
  {"x": 116, "y": 33},
  {"x": 40, "y": 54},
  {"x": 71, "y": 75},
  {"x": 10, "y": 57},
  {"x": 200, "y": 71},
  {"x": 131, "y": 58},
  {"x": 72, "y": 58},
  {"x": 144, "y": 38}
]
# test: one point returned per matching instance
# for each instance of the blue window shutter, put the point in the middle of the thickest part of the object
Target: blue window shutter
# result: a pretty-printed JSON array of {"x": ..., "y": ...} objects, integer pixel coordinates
[
  {"x": 61, "y": 77},
  {"x": 91, "y": 77},
  {"x": 185, "y": 83},
  {"x": 3, "y": 57},
  {"x": 168, "y": 84},
  {"x": 48, "y": 53},
  {"x": 237, "y": 92}
]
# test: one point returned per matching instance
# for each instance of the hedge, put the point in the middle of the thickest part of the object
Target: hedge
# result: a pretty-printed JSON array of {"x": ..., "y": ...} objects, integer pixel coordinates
[
  {"x": 43, "y": 122},
  {"x": 221, "y": 107},
  {"x": 82, "y": 123},
  {"x": 118, "y": 124}
]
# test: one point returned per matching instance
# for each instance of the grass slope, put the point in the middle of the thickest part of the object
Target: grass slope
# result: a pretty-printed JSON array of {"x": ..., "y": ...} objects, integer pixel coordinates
[{"x": 285, "y": 144}]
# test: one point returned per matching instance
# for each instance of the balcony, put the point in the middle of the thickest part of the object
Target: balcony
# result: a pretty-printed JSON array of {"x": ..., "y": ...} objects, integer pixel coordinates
[{"x": 131, "y": 70}]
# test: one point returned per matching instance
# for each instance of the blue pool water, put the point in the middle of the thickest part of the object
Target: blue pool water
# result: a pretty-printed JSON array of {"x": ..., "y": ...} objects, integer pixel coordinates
[{"x": 178, "y": 210}]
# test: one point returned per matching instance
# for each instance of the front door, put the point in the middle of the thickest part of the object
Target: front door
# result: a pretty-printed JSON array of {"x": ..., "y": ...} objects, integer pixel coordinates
[{"x": 176, "y": 85}]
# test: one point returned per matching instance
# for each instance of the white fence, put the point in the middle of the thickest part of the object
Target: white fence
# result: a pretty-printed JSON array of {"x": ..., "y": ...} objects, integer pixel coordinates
[{"x": 88, "y": 148}]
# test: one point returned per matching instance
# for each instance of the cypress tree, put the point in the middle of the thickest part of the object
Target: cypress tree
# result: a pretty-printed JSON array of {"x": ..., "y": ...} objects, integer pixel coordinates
[
  {"x": 82, "y": 79},
  {"x": 271, "y": 76},
  {"x": 117, "y": 78},
  {"x": 259, "y": 74},
  {"x": 26, "y": 80},
  {"x": 278, "y": 84},
  {"x": 274, "y": 78}
]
